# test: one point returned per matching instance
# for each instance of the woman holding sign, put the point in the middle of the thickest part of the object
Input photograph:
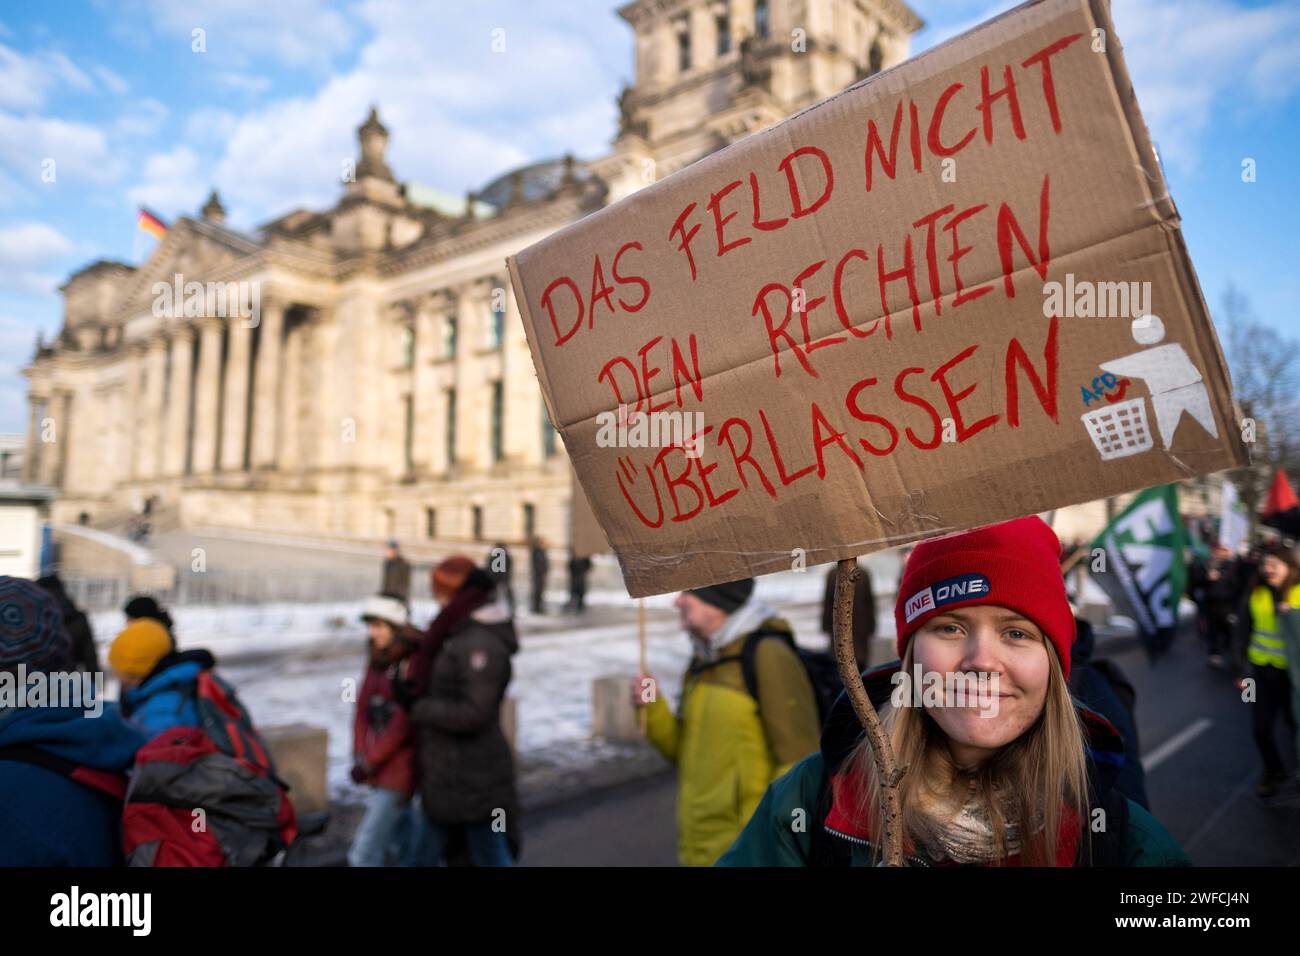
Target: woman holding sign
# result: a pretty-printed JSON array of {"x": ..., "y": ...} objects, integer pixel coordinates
[{"x": 980, "y": 714}]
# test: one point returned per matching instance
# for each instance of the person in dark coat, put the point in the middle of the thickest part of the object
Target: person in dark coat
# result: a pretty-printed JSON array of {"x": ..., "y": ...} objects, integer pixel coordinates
[
  {"x": 579, "y": 568},
  {"x": 84, "y": 656},
  {"x": 1213, "y": 586},
  {"x": 864, "y": 614},
  {"x": 540, "y": 567},
  {"x": 397, "y": 574},
  {"x": 499, "y": 567},
  {"x": 1102, "y": 687},
  {"x": 49, "y": 818},
  {"x": 459, "y": 676}
]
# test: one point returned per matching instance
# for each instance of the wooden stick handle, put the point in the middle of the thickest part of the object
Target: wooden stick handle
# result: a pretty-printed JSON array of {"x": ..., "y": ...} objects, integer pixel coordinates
[
  {"x": 846, "y": 574},
  {"x": 640, "y": 636}
]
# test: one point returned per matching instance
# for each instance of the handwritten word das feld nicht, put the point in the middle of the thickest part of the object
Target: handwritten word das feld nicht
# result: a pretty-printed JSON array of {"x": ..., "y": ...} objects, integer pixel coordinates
[{"x": 567, "y": 307}]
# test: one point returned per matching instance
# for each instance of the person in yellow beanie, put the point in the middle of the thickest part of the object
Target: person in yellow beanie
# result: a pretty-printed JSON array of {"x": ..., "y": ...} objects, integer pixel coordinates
[
  {"x": 158, "y": 682},
  {"x": 137, "y": 650}
]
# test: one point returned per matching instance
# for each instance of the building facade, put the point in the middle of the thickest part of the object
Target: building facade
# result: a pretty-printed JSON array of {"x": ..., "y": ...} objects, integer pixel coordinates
[{"x": 362, "y": 371}]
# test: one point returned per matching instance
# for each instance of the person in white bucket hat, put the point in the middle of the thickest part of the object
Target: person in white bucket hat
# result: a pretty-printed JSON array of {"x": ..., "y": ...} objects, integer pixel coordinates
[{"x": 383, "y": 754}]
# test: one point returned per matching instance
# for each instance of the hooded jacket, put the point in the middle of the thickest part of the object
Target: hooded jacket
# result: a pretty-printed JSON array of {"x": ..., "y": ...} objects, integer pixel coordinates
[
  {"x": 49, "y": 819},
  {"x": 165, "y": 698},
  {"x": 381, "y": 733},
  {"x": 770, "y": 840},
  {"x": 464, "y": 761},
  {"x": 728, "y": 746}
]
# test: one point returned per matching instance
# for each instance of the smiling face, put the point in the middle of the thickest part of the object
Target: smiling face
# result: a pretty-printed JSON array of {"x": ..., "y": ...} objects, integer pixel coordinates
[{"x": 993, "y": 641}]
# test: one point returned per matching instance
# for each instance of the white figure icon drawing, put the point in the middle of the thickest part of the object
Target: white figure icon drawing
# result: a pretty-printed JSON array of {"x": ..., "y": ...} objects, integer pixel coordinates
[{"x": 1174, "y": 382}]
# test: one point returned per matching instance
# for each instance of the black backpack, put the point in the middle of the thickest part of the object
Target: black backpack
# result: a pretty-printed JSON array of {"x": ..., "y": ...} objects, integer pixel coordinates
[{"x": 822, "y": 669}]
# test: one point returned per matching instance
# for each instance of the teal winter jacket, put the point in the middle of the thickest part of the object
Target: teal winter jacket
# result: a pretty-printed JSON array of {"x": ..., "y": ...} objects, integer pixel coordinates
[{"x": 789, "y": 827}]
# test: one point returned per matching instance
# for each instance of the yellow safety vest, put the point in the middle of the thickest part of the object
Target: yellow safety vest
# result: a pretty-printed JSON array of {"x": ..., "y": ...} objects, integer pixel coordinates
[{"x": 1266, "y": 647}]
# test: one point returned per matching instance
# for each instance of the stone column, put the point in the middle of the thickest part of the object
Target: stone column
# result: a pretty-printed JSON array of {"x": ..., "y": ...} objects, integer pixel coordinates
[
  {"x": 178, "y": 404},
  {"x": 424, "y": 387},
  {"x": 31, "y": 448},
  {"x": 266, "y": 386},
  {"x": 469, "y": 398},
  {"x": 234, "y": 412},
  {"x": 48, "y": 464},
  {"x": 156, "y": 361},
  {"x": 63, "y": 444},
  {"x": 131, "y": 437},
  {"x": 207, "y": 396},
  {"x": 287, "y": 454}
]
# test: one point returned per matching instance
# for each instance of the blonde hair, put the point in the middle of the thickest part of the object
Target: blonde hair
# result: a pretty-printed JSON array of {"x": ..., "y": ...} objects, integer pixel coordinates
[{"x": 1047, "y": 760}]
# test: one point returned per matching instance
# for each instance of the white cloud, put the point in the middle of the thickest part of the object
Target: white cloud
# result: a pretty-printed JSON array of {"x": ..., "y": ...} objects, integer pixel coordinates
[
  {"x": 28, "y": 80},
  {"x": 297, "y": 33},
  {"x": 244, "y": 82},
  {"x": 80, "y": 151},
  {"x": 143, "y": 119},
  {"x": 173, "y": 182},
  {"x": 458, "y": 113},
  {"x": 110, "y": 80},
  {"x": 209, "y": 128},
  {"x": 28, "y": 256},
  {"x": 1186, "y": 57}
]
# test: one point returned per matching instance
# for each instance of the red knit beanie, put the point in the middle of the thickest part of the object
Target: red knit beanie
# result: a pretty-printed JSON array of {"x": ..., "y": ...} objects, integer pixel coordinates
[
  {"x": 1016, "y": 565},
  {"x": 452, "y": 572}
]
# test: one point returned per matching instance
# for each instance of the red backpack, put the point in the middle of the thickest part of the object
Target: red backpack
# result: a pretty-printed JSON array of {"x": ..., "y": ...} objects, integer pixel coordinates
[
  {"x": 207, "y": 795},
  {"x": 198, "y": 796}
]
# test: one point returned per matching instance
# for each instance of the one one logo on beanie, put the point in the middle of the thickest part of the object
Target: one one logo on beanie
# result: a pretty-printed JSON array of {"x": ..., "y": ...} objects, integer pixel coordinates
[{"x": 947, "y": 591}]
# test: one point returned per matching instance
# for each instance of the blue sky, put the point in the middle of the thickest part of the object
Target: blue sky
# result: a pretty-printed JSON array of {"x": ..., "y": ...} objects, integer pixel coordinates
[{"x": 115, "y": 93}]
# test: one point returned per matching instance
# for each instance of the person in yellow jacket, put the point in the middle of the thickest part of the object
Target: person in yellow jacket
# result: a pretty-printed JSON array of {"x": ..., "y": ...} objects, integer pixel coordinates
[
  {"x": 1272, "y": 645},
  {"x": 727, "y": 743}
]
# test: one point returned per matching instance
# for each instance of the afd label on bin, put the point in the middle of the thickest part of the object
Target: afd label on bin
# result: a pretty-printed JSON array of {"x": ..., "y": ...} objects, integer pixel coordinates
[{"x": 947, "y": 591}]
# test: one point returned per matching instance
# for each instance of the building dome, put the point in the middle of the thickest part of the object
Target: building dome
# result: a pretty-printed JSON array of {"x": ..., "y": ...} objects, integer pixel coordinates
[{"x": 535, "y": 182}]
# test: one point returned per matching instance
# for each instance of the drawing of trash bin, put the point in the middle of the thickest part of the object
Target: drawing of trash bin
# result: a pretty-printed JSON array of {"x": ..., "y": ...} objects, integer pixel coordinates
[{"x": 1119, "y": 430}]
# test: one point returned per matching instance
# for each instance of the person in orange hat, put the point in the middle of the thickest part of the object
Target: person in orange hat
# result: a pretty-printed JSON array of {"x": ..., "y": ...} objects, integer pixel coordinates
[{"x": 1003, "y": 768}]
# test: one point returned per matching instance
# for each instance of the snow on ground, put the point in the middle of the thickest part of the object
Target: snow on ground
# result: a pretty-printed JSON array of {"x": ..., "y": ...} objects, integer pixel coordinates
[{"x": 302, "y": 663}]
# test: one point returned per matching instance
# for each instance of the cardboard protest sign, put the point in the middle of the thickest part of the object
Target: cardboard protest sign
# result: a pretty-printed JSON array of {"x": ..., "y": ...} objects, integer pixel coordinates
[
  {"x": 585, "y": 535},
  {"x": 953, "y": 294}
]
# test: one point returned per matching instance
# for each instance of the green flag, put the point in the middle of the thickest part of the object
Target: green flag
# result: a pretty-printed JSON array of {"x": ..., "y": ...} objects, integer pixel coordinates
[{"x": 1142, "y": 569}]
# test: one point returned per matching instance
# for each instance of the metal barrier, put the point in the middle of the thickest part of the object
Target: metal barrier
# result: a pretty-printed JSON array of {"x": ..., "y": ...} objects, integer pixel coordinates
[{"x": 250, "y": 587}]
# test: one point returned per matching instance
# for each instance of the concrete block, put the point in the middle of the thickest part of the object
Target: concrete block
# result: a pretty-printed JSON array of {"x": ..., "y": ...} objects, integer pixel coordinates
[
  {"x": 612, "y": 714},
  {"x": 1096, "y": 613},
  {"x": 301, "y": 754}
]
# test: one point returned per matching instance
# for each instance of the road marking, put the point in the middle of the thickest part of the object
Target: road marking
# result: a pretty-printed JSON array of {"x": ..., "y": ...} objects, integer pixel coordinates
[{"x": 1175, "y": 743}]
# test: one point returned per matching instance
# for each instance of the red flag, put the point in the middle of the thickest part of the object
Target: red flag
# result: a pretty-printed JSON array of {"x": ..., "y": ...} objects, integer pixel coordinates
[{"x": 1281, "y": 497}]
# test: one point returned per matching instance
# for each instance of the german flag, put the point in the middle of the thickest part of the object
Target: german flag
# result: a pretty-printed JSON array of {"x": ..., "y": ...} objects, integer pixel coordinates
[{"x": 151, "y": 224}]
